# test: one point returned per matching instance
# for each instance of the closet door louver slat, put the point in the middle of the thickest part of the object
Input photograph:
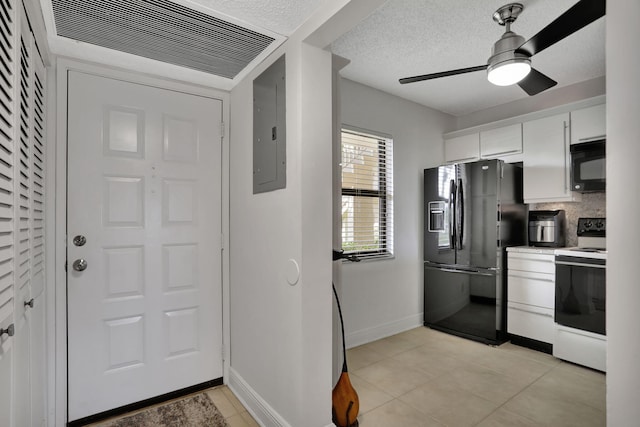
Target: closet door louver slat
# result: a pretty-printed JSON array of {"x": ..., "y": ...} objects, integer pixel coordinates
[
  {"x": 23, "y": 233},
  {"x": 37, "y": 179},
  {"x": 7, "y": 147}
]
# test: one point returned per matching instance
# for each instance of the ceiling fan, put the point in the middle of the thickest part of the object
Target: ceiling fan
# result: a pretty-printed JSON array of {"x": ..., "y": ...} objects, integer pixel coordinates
[{"x": 510, "y": 60}]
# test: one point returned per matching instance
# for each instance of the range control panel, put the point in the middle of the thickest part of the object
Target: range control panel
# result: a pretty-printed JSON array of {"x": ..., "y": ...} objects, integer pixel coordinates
[{"x": 594, "y": 227}]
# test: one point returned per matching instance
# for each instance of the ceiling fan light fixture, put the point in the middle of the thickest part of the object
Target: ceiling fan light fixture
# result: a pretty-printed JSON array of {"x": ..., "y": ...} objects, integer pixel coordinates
[{"x": 509, "y": 72}]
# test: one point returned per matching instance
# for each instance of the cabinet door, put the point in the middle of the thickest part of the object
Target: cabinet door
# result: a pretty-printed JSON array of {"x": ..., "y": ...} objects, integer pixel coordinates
[
  {"x": 588, "y": 124},
  {"x": 531, "y": 322},
  {"x": 462, "y": 149},
  {"x": 502, "y": 141},
  {"x": 531, "y": 288},
  {"x": 546, "y": 159},
  {"x": 532, "y": 262}
]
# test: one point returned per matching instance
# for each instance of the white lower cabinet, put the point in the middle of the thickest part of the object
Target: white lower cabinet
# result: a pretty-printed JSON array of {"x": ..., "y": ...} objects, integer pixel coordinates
[
  {"x": 531, "y": 295},
  {"x": 531, "y": 322}
]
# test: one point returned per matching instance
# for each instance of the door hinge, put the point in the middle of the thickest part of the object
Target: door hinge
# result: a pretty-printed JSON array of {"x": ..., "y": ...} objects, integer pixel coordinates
[
  {"x": 221, "y": 129},
  {"x": 222, "y": 241}
]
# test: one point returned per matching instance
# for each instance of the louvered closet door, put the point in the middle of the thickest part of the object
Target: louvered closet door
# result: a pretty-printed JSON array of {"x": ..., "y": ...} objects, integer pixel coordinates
[
  {"x": 7, "y": 146},
  {"x": 38, "y": 361},
  {"x": 144, "y": 189},
  {"x": 29, "y": 244},
  {"x": 22, "y": 267}
]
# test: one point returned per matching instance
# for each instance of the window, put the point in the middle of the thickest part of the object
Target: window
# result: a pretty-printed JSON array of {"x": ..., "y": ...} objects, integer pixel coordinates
[{"x": 367, "y": 190}]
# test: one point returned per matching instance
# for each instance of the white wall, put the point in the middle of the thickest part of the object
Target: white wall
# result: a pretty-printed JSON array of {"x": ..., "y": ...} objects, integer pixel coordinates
[
  {"x": 383, "y": 297},
  {"x": 281, "y": 335},
  {"x": 623, "y": 204},
  {"x": 548, "y": 99},
  {"x": 268, "y": 232}
]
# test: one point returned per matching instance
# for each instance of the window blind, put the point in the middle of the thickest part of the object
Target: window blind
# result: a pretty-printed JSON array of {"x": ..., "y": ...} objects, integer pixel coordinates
[{"x": 367, "y": 194}]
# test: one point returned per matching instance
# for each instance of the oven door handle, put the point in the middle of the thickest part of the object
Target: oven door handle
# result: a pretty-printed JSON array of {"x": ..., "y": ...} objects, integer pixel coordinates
[{"x": 580, "y": 264}]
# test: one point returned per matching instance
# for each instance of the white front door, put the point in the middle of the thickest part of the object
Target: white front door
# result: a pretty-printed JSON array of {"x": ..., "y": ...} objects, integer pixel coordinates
[{"x": 144, "y": 191}]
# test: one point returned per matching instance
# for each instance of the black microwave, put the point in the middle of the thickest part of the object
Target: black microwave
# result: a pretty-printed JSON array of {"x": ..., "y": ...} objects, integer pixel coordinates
[{"x": 588, "y": 166}]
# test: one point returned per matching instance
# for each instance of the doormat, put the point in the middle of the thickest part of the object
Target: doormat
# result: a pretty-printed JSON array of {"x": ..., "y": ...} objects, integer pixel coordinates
[{"x": 192, "y": 411}]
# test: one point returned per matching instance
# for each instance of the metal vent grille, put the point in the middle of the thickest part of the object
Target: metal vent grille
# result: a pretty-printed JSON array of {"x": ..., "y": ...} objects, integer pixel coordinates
[{"x": 161, "y": 30}]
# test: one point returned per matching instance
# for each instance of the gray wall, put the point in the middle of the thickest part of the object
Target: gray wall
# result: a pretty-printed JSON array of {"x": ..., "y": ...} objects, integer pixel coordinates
[{"x": 384, "y": 297}]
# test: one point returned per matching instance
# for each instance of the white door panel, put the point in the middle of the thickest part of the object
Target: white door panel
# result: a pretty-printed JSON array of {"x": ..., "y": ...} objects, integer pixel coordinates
[{"x": 144, "y": 189}]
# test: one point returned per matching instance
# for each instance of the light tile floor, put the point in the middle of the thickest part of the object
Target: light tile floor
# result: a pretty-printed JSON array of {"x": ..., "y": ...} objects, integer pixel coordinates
[
  {"x": 230, "y": 407},
  {"x": 423, "y": 377}
]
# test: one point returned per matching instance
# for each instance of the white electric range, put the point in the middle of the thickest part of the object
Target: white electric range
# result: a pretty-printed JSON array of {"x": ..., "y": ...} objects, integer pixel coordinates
[{"x": 580, "y": 307}]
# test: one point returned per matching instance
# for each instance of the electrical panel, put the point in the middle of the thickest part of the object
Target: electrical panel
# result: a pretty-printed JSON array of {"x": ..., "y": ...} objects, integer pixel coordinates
[{"x": 269, "y": 129}]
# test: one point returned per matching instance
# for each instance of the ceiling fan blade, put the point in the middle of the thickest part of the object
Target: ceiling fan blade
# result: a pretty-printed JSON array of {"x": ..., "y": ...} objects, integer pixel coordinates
[
  {"x": 442, "y": 74},
  {"x": 577, "y": 17},
  {"x": 536, "y": 82}
]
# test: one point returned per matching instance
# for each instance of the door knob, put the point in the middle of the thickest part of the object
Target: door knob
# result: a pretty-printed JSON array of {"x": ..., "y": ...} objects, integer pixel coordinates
[
  {"x": 80, "y": 264},
  {"x": 9, "y": 331}
]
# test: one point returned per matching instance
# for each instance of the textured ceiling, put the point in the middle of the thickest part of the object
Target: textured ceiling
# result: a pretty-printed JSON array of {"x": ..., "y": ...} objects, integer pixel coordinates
[
  {"x": 411, "y": 37},
  {"x": 279, "y": 16},
  {"x": 404, "y": 38}
]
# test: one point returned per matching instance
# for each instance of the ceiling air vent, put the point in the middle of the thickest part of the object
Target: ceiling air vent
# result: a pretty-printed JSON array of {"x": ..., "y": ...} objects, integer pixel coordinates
[{"x": 161, "y": 30}]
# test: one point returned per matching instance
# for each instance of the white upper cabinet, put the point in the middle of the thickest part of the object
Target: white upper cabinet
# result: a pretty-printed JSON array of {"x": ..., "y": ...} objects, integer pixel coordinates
[
  {"x": 546, "y": 160},
  {"x": 501, "y": 142},
  {"x": 462, "y": 149},
  {"x": 588, "y": 124}
]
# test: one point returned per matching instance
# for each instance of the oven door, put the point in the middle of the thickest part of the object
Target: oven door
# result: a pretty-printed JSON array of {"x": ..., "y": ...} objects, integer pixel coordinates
[{"x": 581, "y": 293}]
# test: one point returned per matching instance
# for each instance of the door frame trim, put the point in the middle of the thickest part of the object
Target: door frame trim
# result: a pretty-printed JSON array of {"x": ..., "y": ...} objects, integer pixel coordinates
[{"x": 56, "y": 214}]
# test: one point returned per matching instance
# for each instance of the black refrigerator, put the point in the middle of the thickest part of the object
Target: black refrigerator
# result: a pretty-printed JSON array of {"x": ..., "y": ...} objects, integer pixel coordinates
[{"x": 473, "y": 211}]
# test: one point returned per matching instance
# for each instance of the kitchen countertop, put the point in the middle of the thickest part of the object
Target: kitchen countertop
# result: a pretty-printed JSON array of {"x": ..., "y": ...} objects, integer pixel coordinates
[{"x": 532, "y": 249}]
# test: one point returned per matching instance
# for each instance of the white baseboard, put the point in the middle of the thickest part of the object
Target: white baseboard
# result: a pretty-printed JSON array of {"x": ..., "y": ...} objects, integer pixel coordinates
[
  {"x": 368, "y": 335},
  {"x": 259, "y": 409}
]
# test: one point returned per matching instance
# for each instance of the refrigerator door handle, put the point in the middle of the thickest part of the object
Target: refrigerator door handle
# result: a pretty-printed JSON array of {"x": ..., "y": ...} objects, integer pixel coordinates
[
  {"x": 460, "y": 209},
  {"x": 483, "y": 272},
  {"x": 452, "y": 214}
]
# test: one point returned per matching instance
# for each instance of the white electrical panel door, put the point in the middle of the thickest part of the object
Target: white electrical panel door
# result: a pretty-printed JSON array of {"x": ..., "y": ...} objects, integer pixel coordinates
[{"x": 144, "y": 258}]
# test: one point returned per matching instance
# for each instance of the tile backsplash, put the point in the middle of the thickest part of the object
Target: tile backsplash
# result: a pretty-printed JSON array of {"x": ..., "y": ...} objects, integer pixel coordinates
[{"x": 593, "y": 205}]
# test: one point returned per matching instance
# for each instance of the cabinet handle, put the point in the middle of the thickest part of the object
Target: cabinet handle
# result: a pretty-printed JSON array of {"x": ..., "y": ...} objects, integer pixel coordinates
[
  {"x": 531, "y": 312},
  {"x": 567, "y": 169},
  {"x": 592, "y": 138},
  {"x": 532, "y": 278},
  {"x": 29, "y": 303},
  {"x": 580, "y": 264},
  {"x": 462, "y": 160},
  {"x": 500, "y": 153}
]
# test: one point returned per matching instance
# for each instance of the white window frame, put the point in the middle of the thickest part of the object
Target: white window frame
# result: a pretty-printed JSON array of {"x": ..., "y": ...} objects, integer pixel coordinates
[{"x": 384, "y": 193}]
